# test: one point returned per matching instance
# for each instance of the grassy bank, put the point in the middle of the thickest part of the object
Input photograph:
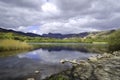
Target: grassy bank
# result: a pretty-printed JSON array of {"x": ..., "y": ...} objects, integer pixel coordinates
[{"x": 8, "y": 45}]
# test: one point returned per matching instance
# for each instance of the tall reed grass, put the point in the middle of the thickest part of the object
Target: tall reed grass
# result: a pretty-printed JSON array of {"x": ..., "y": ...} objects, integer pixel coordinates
[{"x": 7, "y": 45}]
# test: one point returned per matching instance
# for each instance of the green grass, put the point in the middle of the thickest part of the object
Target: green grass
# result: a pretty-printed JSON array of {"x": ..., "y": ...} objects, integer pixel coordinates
[{"x": 8, "y": 45}]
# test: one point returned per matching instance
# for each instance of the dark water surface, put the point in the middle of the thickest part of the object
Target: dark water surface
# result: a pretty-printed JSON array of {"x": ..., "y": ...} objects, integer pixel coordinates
[{"x": 45, "y": 59}]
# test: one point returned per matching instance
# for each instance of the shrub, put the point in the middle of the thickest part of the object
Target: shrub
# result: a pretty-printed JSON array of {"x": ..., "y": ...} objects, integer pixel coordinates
[{"x": 114, "y": 41}]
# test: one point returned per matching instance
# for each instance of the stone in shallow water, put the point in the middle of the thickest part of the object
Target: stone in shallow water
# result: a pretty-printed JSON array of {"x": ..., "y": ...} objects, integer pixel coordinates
[
  {"x": 36, "y": 72},
  {"x": 30, "y": 79}
]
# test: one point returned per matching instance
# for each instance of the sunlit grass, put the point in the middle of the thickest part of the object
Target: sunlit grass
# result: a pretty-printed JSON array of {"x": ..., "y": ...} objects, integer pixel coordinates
[{"x": 7, "y": 45}]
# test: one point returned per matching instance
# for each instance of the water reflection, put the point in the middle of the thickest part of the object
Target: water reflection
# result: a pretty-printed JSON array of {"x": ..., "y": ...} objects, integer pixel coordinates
[
  {"x": 54, "y": 56},
  {"x": 45, "y": 59}
]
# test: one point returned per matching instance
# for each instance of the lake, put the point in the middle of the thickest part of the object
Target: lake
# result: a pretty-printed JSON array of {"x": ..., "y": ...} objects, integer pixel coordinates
[{"x": 19, "y": 65}]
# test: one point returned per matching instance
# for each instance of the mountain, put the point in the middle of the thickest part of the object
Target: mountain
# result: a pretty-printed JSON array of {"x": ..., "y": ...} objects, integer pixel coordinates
[
  {"x": 50, "y": 35},
  {"x": 58, "y": 35},
  {"x": 19, "y": 32},
  {"x": 61, "y": 36}
]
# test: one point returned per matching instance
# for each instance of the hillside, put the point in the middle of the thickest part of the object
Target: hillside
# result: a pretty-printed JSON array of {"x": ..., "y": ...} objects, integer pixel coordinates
[
  {"x": 87, "y": 37},
  {"x": 101, "y": 34}
]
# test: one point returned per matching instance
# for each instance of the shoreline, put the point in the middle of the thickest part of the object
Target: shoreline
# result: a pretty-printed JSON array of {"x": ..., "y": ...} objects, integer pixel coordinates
[{"x": 104, "y": 67}]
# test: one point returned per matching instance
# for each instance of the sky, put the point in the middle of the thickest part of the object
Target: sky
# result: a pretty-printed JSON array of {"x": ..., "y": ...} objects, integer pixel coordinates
[{"x": 59, "y": 16}]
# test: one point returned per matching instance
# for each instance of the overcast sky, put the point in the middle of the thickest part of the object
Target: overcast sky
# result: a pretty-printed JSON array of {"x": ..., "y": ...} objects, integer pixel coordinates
[{"x": 59, "y": 16}]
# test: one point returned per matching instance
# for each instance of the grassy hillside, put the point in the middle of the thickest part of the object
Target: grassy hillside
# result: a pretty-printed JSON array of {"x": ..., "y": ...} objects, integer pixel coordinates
[
  {"x": 101, "y": 33},
  {"x": 93, "y": 37}
]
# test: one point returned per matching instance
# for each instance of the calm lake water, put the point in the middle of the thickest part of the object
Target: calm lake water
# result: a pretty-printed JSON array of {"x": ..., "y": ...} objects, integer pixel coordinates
[{"x": 22, "y": 65}]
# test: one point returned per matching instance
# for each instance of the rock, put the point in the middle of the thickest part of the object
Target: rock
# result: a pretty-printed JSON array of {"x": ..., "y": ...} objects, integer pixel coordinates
[
  {"x": 30, "y": 79},
  {"x": 69, "y": 61},
  {"x": 93, "y": 59},
  {"x": 36, "y": 72},
  {"x": 106, "y": 67},
  {"x": 62, "y": 61}
]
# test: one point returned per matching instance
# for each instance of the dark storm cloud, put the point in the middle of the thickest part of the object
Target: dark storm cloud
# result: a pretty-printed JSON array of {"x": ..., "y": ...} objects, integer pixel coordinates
[
  {"x": 63, "y": 16},
  {"x": 15, "y": 13},
  {"x": 106, "y": 24},
  {"x": 22, "y": 3},
  {"x": 73, "y": 5}
]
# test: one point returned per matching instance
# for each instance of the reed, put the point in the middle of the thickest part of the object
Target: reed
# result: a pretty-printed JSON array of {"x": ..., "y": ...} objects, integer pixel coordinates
[{"x": 7, "y": 45}]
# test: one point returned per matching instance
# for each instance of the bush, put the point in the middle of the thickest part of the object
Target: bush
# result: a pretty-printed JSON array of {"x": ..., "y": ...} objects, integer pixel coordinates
[{"x": 114, "y": 41}]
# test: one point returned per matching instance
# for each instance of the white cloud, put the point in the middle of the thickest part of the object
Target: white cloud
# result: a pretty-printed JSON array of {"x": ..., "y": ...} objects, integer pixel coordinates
[
  {"x": 50, "y": 8},
  {"x": 73, "y": 25},
  {"x": 34, "y": 31},
  {"x": 21, "y": 28}
]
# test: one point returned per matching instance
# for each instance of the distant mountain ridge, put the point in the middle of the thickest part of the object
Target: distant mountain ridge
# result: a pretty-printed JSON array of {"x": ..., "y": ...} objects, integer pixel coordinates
[
  {"x": 19, "y": 32},
  {"x": 58, "y": 35}
]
